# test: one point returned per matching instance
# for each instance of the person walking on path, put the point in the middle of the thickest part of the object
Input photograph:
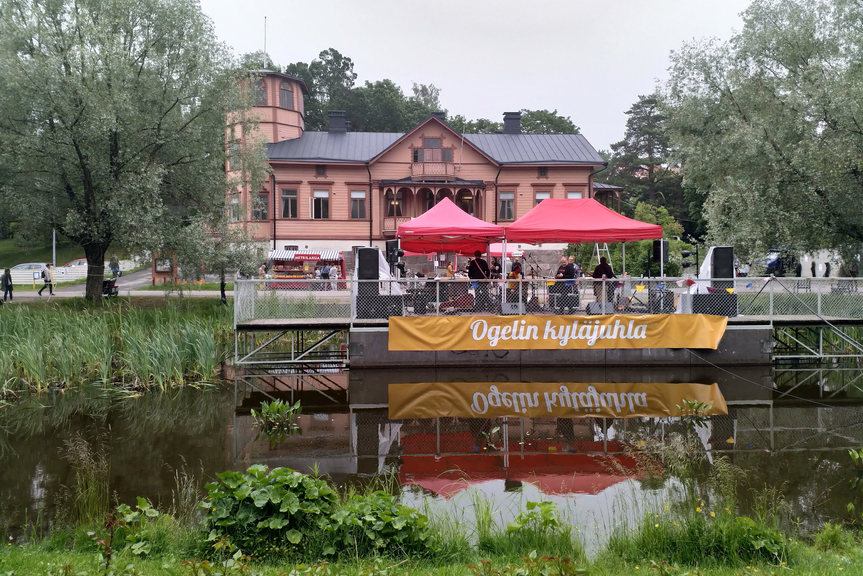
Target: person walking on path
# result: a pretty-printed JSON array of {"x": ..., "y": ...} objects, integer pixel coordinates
[
  {"x": 47, "y": 277},
  {"x": 115, "y": 266},
  {"x": 6, "y": 284}
]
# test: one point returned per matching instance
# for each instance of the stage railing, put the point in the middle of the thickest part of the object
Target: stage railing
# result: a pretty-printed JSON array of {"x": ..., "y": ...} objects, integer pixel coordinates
[{"x": 369, "y": 300}]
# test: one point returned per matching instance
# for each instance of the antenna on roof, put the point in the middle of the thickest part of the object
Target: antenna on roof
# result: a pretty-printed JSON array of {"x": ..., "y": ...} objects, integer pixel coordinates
[{"x": 265, "y": 40}]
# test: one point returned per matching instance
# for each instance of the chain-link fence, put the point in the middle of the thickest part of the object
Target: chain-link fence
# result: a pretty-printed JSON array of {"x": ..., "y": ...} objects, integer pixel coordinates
[{"x": 365, "y": 300}]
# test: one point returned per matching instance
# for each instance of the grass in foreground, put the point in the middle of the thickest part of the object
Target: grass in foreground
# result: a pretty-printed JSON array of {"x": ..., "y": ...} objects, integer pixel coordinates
[{"x": 41, "y": 560}]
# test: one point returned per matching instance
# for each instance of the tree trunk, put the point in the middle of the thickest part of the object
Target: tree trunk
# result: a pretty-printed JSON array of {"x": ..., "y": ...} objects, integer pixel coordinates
[
  {"x": 95, "y": 271},
  {"x": 222, "y": 285}
]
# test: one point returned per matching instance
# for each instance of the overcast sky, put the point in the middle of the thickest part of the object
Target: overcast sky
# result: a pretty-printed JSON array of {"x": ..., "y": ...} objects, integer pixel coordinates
[{"x": 588, "y": 59}]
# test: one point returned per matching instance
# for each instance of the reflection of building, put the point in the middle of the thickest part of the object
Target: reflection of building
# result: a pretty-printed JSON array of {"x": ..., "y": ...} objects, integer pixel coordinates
[{"x": 338, "y": 189}]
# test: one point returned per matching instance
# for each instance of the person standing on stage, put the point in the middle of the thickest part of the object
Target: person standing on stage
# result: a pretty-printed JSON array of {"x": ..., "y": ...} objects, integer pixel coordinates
[{"x": 478, "y": 272}]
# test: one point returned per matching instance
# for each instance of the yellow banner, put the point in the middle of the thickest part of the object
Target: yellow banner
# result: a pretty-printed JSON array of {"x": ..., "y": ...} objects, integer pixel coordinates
[
  {"x": 538, "y": 399},
  {"x": 555, "y": 332}
]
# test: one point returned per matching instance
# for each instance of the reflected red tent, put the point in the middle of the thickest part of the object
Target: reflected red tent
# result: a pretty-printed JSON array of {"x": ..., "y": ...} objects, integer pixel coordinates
[
  {"x": 447, "y": 228},
  {"x": 577, "y": 221}
]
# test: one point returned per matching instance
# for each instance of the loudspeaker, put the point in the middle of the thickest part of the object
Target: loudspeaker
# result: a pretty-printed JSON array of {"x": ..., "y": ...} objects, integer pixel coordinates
[
  {"x": 660, "y": 302},
  {"x": 656, "y": 250},
  {"x": 367, "y": 264},
  {"x": 720, "y": 303},
  {"x": 723, "y": 266},
  {"x": 600, "y": 308},
  {"x": 375, "y": 305}
]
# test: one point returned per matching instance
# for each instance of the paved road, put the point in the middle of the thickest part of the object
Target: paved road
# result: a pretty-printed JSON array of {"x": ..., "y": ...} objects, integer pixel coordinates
[{"x": 129, "y": 285}]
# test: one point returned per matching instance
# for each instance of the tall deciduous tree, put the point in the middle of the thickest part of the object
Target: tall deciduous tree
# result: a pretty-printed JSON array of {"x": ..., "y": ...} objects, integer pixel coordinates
[
  {"x": 113, "y": 118},
  {"x": 545, "y": 122},
  {"x": 768, "y": 125}
]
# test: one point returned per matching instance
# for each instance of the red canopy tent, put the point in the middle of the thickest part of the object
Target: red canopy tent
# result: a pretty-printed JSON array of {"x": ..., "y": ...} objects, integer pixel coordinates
[
  {"x": 447, "y": 228},
  {"x": 578, "y": 221}
]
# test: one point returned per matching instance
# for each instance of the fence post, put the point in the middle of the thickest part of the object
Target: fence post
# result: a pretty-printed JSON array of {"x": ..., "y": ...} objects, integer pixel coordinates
[
  {"x": 437, "y": 434},
  {"x": 770, "y": 292},
  {"x": 818, "y": 292}
]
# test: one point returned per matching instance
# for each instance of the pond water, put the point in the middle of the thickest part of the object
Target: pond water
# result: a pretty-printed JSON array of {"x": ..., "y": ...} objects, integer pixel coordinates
[{"x": 584, "y": 465}]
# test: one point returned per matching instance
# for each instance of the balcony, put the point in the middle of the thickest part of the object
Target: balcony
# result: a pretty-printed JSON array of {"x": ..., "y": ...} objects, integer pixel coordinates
[
  {"x": 420, "y": 170},
  {"x": 392, "y": 223}
]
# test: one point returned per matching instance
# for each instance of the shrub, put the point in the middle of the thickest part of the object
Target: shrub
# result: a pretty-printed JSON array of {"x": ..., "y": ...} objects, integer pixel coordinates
[
  {"x": 270, "y": 515},
  {"x": 833, "y": 538},
  {"x": 373, "y": 524}
]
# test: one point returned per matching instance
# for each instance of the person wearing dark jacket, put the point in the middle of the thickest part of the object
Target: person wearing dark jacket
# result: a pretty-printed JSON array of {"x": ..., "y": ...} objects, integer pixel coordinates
[
  {"x": 603, "y": 270},
  {"x": 479, "y": 274},
  {"x": 6, "y": 284},
  {"x": 566, "y": 277}
]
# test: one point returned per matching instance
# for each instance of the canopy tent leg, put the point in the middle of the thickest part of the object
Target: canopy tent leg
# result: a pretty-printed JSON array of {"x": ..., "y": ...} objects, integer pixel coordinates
[{"x": 623, "y": 257}]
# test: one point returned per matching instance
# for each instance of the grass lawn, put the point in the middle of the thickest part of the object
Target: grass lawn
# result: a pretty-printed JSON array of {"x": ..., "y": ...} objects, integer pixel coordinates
[
  {"x": 37, "y": 560},
  {"x": 10, "y": 254}
]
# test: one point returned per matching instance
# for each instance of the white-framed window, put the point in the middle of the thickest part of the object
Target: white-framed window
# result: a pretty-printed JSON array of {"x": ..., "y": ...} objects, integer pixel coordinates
[
  {"x": 320, "y": 208},
  {"x": 358, "y": 204},
  {"x": 573, "y": 195},
  {"x": 235, "y": 209},
  {"x": 506, "y": 204},
  {"x": 289, "y": 203},
  {"x": 540, "y": 196}
]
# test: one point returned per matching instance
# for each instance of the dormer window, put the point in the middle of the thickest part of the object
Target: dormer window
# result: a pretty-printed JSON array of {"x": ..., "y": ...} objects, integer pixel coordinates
[
  {"x": 260, "y": 93},
  {"x": 432, "y": 151},
  {"x": 286, "y": 96}
]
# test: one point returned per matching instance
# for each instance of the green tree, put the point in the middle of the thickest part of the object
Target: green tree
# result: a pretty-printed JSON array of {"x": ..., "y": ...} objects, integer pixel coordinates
[
  {"x": 330, "y": 79},
  {"x": 377, "y": 107},
  {"x": 644, "y": 150},
  {"x": 478, "y": 126},
  {"x": 114, "y": 119},
  {"x": 545, "y": 122},
  {"x": 768, "y": 126}
]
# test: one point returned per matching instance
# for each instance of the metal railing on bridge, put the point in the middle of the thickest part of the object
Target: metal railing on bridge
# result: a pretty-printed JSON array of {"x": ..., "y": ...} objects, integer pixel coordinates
[{"x": 369, "y": 301}]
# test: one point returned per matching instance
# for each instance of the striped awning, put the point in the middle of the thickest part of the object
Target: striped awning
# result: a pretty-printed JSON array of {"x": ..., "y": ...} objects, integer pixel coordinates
[{"x": 306, "y": 255}]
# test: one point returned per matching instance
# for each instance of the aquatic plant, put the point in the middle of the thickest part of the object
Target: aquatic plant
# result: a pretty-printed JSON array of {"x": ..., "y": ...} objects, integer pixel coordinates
[
  {"x": 91, "y": 467},
  {"x": 277, "y": 419},
  {"x": 55, "y": 347}
]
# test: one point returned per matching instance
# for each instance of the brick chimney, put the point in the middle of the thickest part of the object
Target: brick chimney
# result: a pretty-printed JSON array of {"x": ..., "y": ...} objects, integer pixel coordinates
[
  {"x": 512, "y": 122},
  {"x": 440, "y": 115},
  {"x": 338, "y": 124}
]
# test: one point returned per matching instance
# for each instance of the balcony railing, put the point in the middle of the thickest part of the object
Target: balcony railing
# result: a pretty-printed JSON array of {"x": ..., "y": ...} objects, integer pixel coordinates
[
  {"x": 419, "y": 169},
  {"x": 392, "y": 223}
]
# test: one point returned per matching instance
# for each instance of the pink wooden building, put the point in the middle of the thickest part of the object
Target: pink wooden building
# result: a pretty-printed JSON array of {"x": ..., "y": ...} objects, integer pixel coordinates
[{"x": 340, "y": 189}]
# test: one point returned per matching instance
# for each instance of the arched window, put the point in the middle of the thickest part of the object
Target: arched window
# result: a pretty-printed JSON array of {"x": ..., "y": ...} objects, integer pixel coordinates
[
  {"x": 286, "y": 96},
  {"x": 260, "y": 93}
]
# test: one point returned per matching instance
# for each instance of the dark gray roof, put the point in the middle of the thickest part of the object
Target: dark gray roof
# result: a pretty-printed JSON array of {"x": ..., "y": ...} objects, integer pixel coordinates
[
  {"x": 536, "y": 148},
  {"x": 327, "y": 147},
  {"x": 543, "y": 149},
  {"x": 604, "y": 186}
]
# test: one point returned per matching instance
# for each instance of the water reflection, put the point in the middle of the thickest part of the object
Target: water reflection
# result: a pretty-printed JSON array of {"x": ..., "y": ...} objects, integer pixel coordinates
[{"x": 585, "y": 464}]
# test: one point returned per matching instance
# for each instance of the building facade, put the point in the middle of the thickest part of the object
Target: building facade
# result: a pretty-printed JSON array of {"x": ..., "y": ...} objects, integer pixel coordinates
[{"x": 340, "y": 189}]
